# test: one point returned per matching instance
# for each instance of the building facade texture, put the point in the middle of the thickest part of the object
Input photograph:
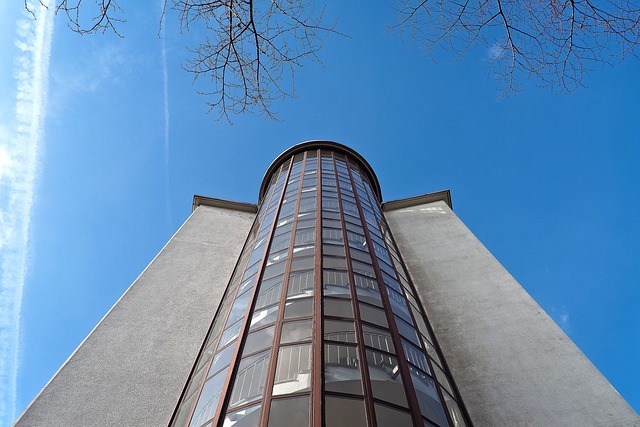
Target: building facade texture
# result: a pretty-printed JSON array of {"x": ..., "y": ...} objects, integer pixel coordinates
[{"x": 324, "y": 306}]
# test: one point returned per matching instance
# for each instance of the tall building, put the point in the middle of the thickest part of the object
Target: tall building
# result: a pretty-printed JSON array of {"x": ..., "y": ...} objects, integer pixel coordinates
[{"x": 322, "y": 305}]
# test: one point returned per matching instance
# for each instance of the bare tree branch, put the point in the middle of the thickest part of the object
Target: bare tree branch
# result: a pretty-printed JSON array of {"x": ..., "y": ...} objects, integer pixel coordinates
[
  {"x": 556, "y": 41},
  {"x": 250, "y": 51}
]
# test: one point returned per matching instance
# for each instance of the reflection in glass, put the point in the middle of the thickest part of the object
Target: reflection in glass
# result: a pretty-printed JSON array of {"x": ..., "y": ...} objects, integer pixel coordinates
[
  {"x": 338, "y": 330},
  {"x": 300, "y": 284},
  {"x": 221, "y": 359},
  {"x": 298, "y": 308},
  {"x": 293, "y": 372},
  {"x": 246, "y": 417},
  {"x": 342, "y": 369},
  {"x": 428, "y": 398},
  {"x": 291, "y": 412},
  {"x": 386, "y": 381},
  {"x": 373, "y": 315},
  {"x": 300, "y": 330},
  {"x": 259, "y": 340},
  {"x": 378, "y": 338},
  {"x": 389, "y": 417},
  {"x": 264, "y": 317},
  {"x": 344, "y": 412},
  {"x": 338, "y": 307},
  {"x": 249, "y": 381},
  {"x": 454, "y": 411},
  {"x": 208, "y": 400}
]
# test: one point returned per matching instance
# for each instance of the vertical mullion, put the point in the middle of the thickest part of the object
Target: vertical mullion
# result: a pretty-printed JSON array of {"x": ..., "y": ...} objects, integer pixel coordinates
[
  {"x": 317, "y": 346},
  {"x": 222, "y": 404},
  {"x": 273, "y": 362},
  {"x": 368, "y": 391},
  {"x": 226, "y": 317},
  {"x": 395, "y": 334}
]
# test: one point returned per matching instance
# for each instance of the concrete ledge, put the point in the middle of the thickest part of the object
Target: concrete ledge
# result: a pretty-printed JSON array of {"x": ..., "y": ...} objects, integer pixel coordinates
[
  {"x": 224, "y": 204},
  {"x": 444, "y": 195}
]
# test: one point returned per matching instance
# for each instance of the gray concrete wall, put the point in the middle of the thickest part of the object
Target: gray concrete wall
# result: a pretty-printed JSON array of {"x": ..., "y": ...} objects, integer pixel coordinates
[
  {"x": 513, "y": 365},
  {"x": 131, "y": 369}
]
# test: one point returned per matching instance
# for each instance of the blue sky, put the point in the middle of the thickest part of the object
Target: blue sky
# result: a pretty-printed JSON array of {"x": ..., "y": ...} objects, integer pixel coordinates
[{"x": 104, "y": 141}]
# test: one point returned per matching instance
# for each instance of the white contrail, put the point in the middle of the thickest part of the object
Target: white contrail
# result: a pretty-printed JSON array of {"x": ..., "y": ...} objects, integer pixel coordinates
[
  {"x": 165, "y": 94},
  {"x": 20, "y": 144}
]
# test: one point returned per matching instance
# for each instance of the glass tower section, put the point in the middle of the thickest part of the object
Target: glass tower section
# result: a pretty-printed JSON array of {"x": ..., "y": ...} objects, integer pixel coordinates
[{"x": 320, "y": 324}]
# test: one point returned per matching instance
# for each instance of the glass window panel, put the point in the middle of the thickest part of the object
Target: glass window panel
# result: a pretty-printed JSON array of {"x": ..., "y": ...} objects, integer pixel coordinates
[
  {"x": 230, "y": 334},
  {"x": 300, "y": 330},
  {"x": 239, "y": 307},
  {"x": 293, "y": 372},
  {"x": 432, "y": 351},
  {"x": 422, "y": 326},
  {"x": 273, "y": 270},
  {"x": 300, "y": 284},
  {"x": 442, "y": 379},
  {"x": 378, "y": 338},
  {"x": 344, "y": 412},
  {"x": 280, "y": 242},
  {"x": 298, "y": 308},
  {"x": 264, "y": 317},
  {"x": 391, "y": 282},
  {"x": 258, "y": 340},
  {"x": 304, "y": 250},
  {"x": 250, "y": 379},
  {"x": 222, "y": 359},
  {"x": 399, "y": 305},
  {"x": 337, "y": 330},
  {"x": 373, "y": 315},
  {"x": 332, "y": 235},
  {"x": 362, "y": 256},
  {"x": 354, "y": 219},
  {"x": 386, "y": 381},
  {"x": 306, "y": 223},
  {"x": 291, "y": 412},
  {"x": 246, "y": 417},
  {"x": 184, "y": 411},
  {"x": 331, "y": 223},
  {"x": 248, "y": 283},
  {"x": 208, "y": 400},
  {"x": 336, "y": 263},
  {"x": 363, "y": 269},
  {"x": 342, "y": 369},
  {"x": 269, "y": 292},
  {"x": 390, "y": 417},
  {"x": 277, "y": 256},
  {"x": 428, "y": 398},
  {"x": 336, "y": 283},
  {"x": 338, "y": 307},
  {"x": 335, "y": 250},
  {"x": 416, "y": 356},
  {"x": 331, "y": 215},
  {"x": 305, "y": 236},
  {"x": 454, "y": 411},
  {"x": 407, "y": 331},
  {"x": 368, "y": 294},
  {"x": 298, "y": 264}
]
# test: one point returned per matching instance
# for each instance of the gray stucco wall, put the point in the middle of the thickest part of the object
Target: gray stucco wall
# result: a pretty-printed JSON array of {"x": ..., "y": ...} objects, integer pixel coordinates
[
  {"x": 513, "y": 365},
  {"x": 133, "y": 366}
]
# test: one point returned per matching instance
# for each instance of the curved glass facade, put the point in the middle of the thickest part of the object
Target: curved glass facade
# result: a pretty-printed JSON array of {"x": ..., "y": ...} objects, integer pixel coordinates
[{"x": 320, "y": 324}]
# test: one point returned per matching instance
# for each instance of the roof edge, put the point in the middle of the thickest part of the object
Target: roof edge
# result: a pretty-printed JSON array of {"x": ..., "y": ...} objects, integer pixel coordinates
[
  {"x": 438, "y": 196},
  {"x": 309, "y": 145},
  {"x": 221, "y": 203}
]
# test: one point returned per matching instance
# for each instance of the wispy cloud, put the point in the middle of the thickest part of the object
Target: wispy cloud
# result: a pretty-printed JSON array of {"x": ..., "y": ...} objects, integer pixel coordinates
[
  {"x": 20, "y": 143},
  {"x": 561, "y": 316}
]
